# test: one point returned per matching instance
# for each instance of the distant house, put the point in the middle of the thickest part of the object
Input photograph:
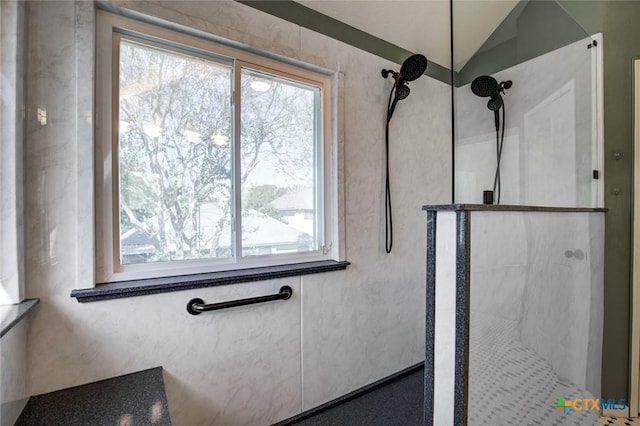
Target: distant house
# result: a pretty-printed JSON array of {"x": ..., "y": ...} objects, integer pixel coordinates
[
  {"x": 262, "y": 234},
  {"x": 135, "y": 247},
  {"x": 297, "y": 209}
]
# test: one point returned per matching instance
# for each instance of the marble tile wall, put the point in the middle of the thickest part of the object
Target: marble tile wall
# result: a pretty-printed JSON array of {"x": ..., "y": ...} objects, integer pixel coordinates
[
  {"x": 563, "y": 300},
  {"x": 14, "y": 373},
  {"x": 541, "y": 273},
  {"x": 596, "y": 321},
  {"x": 373, "y": 315},
  {"x": 12, "y": 68},
  {"x": 256, "y": 365},
  {"x": 498, "y": 264},
  {"x": 549, "y": 146}
]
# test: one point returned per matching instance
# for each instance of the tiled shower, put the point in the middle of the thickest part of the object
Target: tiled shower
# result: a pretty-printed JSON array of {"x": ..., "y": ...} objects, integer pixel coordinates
[
  {"x": 527, "y": 328},
  {"x": 516, "y": 320}
]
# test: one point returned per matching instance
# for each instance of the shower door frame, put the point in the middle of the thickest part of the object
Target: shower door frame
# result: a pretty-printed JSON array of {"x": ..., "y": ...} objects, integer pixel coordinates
[{"x": 634, "y": 391}]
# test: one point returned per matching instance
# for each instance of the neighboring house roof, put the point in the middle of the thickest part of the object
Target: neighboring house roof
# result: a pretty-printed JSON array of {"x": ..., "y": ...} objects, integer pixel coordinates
[
  {"x": 258, "y": 230},
  {"x": 298, "y": 199},
  {"x": 262, "y": 230},
  {"x": 135, "y": 241}
]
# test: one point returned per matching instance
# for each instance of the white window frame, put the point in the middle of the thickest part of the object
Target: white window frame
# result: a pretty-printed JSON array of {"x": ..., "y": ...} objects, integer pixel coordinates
[{"x": 108, "y": 268}]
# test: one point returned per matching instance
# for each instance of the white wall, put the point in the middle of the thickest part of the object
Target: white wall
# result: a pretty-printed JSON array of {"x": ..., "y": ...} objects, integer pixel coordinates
[
  {"x": 252, "y": 365},
  {"x": 14, "y": 374}
]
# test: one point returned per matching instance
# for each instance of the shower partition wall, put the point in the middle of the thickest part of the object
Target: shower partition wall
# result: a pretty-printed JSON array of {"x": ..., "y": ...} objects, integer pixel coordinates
[
  {"x": 515, "y": 327},
  {"x": 515, "y": 291},
  {"x": 551, "y": 152}
]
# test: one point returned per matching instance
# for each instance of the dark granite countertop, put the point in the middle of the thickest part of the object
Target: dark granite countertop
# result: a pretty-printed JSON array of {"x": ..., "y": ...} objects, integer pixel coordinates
[
  {"x": 133, "y": 399},
  {"x": 10, "y": 315},
  {"x": 510, "y": 208}
]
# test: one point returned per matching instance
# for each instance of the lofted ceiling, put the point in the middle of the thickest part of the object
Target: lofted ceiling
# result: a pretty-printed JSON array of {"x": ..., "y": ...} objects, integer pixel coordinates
[{"x": 422, "y": 26}]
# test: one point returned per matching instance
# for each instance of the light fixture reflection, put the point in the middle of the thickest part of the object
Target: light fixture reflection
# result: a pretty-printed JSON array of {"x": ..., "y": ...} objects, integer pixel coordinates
[
  {"x": 219, "y": 139},
  {"x": 260, "y": 86}
]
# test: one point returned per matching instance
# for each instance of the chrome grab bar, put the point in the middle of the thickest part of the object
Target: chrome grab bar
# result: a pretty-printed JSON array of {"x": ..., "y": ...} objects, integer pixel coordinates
[{"x": 197, "y": 306}]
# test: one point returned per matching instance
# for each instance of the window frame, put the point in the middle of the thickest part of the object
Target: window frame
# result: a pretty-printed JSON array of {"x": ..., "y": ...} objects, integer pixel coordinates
[{"x": 110, "y": 28}]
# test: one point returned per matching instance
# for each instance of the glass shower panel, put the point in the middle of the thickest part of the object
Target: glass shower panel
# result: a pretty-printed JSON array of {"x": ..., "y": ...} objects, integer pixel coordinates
[
  {"x": 535, "y": 317},
  {"x": 543, "y": 125}
]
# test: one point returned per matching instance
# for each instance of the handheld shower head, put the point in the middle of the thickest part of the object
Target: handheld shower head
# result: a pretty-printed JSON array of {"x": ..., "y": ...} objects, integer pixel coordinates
[
  {"x": 495, "y": 103},
  {"x": 412, "y": 68},
  {"x": 402, "y": 91},
  {"x": 486, "y": 86}
]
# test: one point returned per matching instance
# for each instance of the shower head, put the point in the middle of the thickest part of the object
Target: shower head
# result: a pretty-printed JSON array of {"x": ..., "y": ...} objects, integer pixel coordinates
[
  {"x": 413, "y": 67},
  {"x": 495, "y": 103},
  {"x": 402, "y": 91},
  {"x": 484, "y": 86}
]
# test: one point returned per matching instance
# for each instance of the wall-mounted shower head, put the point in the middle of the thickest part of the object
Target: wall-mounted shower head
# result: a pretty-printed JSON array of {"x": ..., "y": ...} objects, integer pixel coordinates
[
  {"x": 413, "y": 67},
  {"x": 487, "y": 86},
  {"x": 484, "y": 86}
]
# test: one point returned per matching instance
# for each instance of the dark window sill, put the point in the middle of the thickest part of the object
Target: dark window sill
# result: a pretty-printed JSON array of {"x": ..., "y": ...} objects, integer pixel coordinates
[{"x": 134, "y": 288}]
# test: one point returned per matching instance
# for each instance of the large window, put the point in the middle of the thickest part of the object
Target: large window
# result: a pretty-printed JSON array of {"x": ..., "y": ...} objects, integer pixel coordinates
[{"x": 208, "y": 158}]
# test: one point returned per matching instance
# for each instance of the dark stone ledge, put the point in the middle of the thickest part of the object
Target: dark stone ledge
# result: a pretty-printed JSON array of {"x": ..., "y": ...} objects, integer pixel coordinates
[
  {"x": 509, "y": 208},
  {"x": 144, "y": 287}
]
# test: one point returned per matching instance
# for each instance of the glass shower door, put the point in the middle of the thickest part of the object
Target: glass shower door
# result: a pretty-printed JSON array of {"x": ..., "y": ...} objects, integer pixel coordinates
[{"x": 547, "y": 137}]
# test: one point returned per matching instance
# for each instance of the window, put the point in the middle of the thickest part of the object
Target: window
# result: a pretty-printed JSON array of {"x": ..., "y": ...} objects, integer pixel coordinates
[{"x": 208, "y": 157}]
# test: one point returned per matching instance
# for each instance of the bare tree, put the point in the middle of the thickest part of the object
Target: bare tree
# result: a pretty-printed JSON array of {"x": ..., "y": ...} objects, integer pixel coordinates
[{"x": 175, "y": 153}]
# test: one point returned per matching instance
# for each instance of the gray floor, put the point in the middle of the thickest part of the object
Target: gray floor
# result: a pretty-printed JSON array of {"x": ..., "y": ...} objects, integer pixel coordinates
[{"x": 399, "y": 403}]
